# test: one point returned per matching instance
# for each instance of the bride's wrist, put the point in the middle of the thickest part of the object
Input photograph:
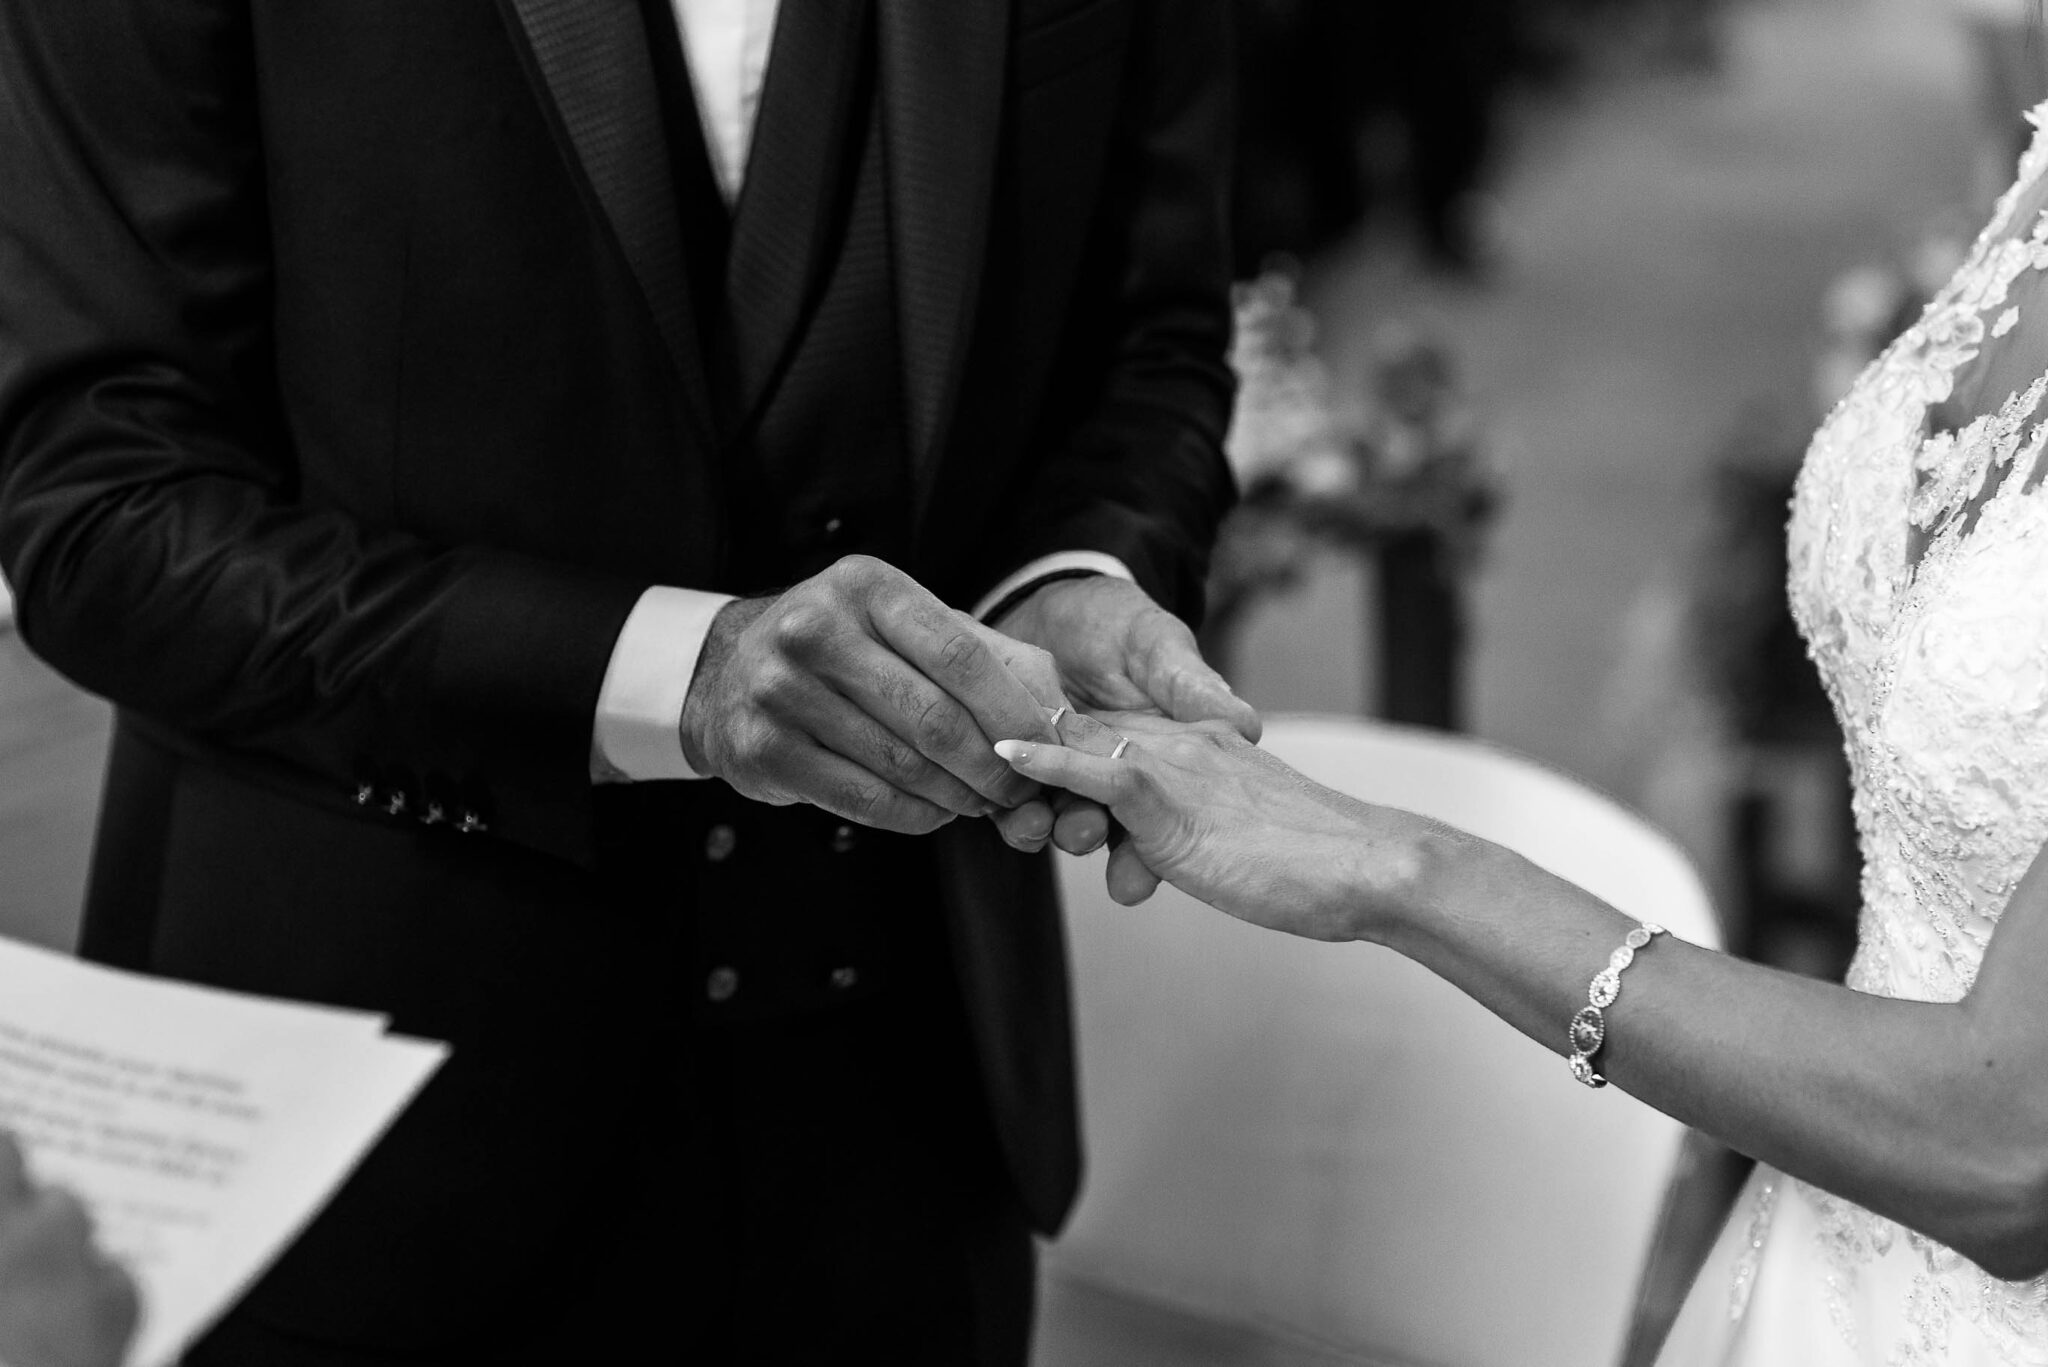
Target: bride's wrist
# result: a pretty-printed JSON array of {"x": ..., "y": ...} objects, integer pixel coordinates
[{"x": 1398, "y": 875}]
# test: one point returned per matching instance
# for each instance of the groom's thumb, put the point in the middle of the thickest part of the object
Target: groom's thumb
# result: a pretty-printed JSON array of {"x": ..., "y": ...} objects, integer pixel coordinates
[{"x": 1195, "y": 692}]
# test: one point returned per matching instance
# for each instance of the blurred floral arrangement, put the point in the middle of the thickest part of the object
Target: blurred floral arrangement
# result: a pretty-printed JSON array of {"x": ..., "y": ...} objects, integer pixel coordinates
[{"x": 1401, "y": 458}]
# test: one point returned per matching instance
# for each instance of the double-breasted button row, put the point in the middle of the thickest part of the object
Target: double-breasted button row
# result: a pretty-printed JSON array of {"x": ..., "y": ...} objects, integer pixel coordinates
[
  {"x": 722, "y": 983},
  {"x": 721, "y": 842}
]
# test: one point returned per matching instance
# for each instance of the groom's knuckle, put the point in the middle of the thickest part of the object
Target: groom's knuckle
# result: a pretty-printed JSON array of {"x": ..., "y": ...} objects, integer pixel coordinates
[
  {"x": 894, "y": 613},
  {"x": 780, "y": 689},
  {"x": 941, "y": 727},
  {"x": 962, "y": 653},
  {"x": 857, "y": 573},
  {"x": 803, "y": 627},
  {"x": 772, "y": 752},
  {"x": 870, "y": 803},
  {"x": 900, "y": 763}
]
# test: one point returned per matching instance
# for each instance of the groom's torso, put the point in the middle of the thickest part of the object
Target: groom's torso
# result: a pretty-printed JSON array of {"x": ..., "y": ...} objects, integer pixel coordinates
[
  {"x": 510, "y": 309},
  {"x": 496, "y": 250}
]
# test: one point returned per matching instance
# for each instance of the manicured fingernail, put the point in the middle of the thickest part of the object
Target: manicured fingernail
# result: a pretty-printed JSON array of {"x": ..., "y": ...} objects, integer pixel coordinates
[{"x": 1014, "y": 751}]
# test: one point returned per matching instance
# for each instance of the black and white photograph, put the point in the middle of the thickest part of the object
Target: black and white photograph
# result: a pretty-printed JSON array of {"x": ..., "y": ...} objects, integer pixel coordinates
[{"x": 1023, "y": 683}]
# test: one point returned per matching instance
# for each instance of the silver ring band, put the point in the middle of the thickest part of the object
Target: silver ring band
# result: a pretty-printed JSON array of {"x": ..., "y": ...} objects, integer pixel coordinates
[
  {"x": 1057, "y": 715},
  {"x": 1123, "y": 743}
]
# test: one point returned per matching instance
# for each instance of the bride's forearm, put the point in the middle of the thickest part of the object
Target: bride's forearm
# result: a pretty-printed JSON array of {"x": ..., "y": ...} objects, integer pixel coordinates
[{"x": 1934, "y": 1115}]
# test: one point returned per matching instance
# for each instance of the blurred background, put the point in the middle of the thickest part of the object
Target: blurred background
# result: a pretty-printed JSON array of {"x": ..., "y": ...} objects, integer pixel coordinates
[
  {"x": 1550, "y": 294},
  {"x": 1546, "y": 297},
  {"x": 1542, "y": 298}
]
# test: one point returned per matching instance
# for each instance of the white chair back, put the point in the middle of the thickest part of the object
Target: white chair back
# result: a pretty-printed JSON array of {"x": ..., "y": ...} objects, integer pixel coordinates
[{"x": 1327, "y": 1146}]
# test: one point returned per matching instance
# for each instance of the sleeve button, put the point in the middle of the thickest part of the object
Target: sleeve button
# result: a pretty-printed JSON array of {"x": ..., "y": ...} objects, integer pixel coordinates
[
  {"x": 845, "y": 978},
  {"x": 844, "y": 838},
  {"x": 719, "y": 843},
  {"x": 722, "y": 983}
]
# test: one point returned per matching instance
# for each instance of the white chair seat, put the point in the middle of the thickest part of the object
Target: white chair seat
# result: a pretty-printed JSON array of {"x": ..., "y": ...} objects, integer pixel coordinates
[{"x": 1330, "y": 1153}]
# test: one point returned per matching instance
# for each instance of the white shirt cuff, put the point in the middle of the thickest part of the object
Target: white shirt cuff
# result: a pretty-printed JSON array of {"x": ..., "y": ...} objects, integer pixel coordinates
[
  {"x": 1096, "y": 562},
  {"x": 640, "y": 708}
]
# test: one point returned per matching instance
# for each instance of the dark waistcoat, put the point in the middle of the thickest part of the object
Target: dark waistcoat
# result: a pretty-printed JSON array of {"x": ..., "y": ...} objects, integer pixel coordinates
[{"x": 794, "y": 909}]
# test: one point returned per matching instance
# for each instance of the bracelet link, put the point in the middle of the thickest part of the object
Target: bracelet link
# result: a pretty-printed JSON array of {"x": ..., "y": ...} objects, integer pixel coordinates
[{"x": 1588, "y": 1032}]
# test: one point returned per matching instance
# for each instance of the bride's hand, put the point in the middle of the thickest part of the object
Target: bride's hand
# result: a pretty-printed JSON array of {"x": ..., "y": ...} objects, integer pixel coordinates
[{"x": 1226, "y": 822}]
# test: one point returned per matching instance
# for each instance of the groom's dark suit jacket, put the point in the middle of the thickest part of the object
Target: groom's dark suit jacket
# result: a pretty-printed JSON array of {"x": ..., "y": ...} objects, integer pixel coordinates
[{"x": 361, "y": 361}]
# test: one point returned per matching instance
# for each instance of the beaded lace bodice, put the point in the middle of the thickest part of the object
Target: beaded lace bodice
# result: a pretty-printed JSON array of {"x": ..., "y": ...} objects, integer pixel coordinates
[{"x": 1919, "y": 576}]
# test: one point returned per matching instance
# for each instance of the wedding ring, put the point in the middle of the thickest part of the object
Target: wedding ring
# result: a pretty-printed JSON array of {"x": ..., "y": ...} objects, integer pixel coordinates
[
  {"x": 1057, "y": 715},
  {"x": 1123, "y": 743}
]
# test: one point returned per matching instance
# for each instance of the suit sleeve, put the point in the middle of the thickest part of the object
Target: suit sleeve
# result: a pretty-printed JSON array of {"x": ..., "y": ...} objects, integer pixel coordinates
[
  {"x": 1138, "y": 473},
  {"x": 152, "y": 519}
]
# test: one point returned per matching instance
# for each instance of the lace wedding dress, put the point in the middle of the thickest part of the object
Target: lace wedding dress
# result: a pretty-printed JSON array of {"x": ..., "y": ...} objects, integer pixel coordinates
[{"x": 1919, "y": 576}]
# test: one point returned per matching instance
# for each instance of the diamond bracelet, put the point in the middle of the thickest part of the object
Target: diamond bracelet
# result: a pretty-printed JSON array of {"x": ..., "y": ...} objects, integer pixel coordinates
[{"x": 1589, "y": 1026}]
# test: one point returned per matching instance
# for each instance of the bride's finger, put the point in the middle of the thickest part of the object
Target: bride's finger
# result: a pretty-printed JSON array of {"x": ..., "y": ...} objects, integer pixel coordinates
[
  {"x": 1097, "y": 777},
  {"x": 1083, "y": 732}
]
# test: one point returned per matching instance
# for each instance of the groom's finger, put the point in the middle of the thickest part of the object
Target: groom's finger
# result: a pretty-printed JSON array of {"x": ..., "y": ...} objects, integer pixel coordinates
[
  {"x": 1095, "y": 777},
  {"x": 1171, "y": 671},
  {"x": 1026, "y": 827},
  {"x": 1081, "y": 826},
  {"x": 1128, "y": 880},
  {"x": 1187, "y": 690},
  {"x": 1198, "y": 693}
]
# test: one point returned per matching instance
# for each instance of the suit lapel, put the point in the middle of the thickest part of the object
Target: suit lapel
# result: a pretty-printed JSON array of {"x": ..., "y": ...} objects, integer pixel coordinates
[
  {"x": 799, "y": 167},
  {"x": 590, "y": 64},
  {"x": 942, "y": 70}
]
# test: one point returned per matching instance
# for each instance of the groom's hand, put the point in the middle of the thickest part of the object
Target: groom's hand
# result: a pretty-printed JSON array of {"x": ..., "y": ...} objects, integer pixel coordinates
[
  {"x": 1118, "y": 651},
  {"x": 860, "y": 692}
]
